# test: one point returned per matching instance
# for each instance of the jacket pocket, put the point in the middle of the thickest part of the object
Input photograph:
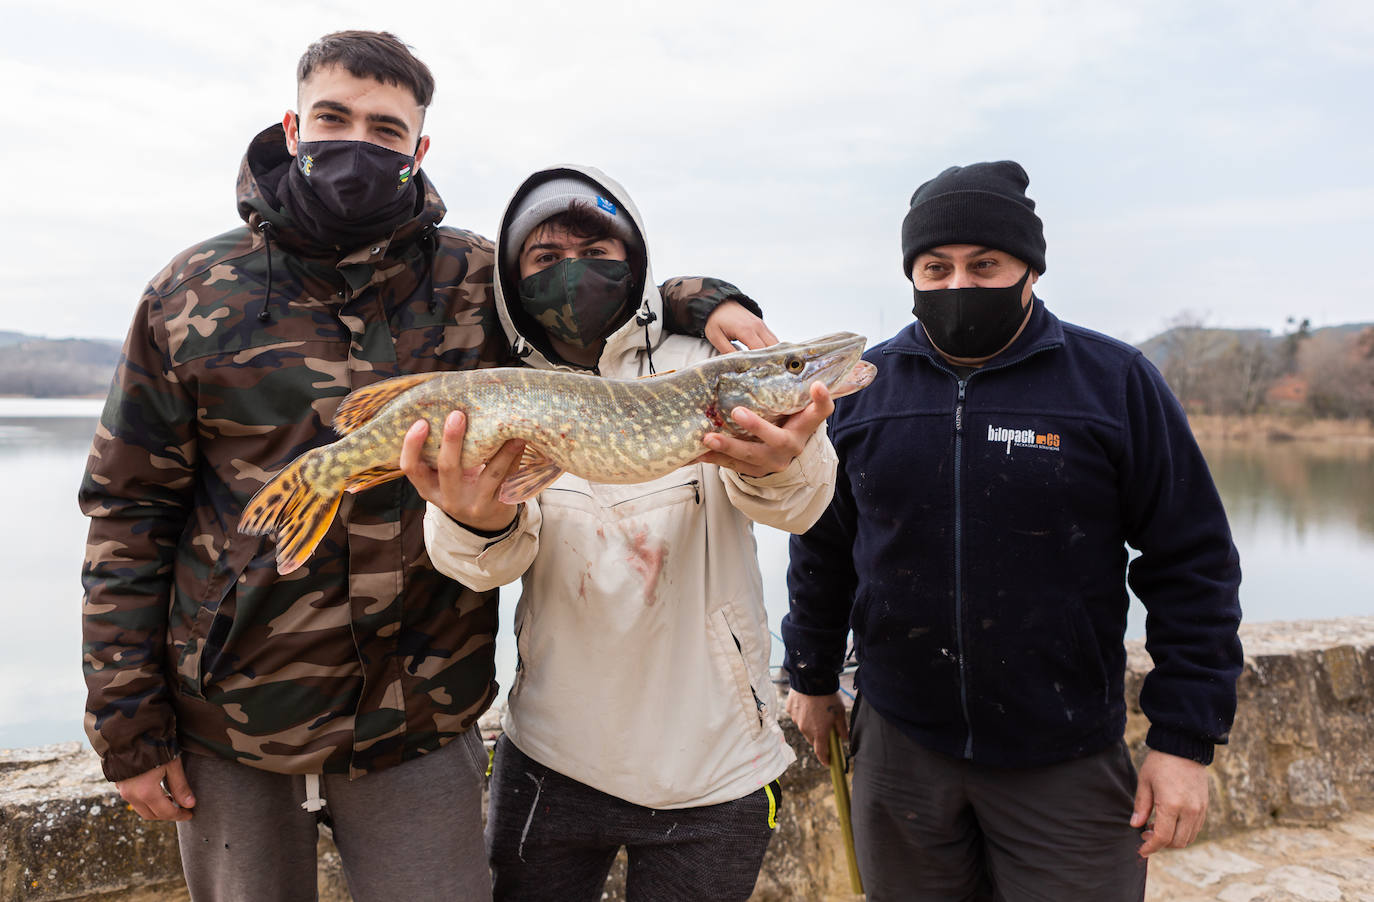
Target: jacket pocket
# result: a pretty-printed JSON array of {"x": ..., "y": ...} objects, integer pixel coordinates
[
  {"x": 729, "y": 653},
  {"x": 211, "y": 625},
  {"x": 627, "y": 502}
]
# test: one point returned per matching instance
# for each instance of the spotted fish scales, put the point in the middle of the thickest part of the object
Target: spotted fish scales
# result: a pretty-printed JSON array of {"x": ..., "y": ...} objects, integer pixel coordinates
[{"x": 604, "y": 430}]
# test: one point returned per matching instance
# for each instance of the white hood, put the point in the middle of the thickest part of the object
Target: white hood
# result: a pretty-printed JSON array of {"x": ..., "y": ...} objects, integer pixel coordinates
[{"x": 627, "y": 341}]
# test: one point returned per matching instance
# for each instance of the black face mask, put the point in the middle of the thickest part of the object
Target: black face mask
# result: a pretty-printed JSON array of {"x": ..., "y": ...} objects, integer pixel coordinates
[
  {"x": 971, "y": 322},
  {"x": 349, "y": 192}
]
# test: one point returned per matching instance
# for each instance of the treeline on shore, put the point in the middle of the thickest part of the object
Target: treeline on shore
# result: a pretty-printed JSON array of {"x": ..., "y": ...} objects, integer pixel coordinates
[
  {"x": 1325, "y": 374},
  {"x": 1305, "y": 373}
]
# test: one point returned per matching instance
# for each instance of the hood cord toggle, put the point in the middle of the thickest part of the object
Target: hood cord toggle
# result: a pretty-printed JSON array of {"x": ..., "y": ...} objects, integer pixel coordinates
[{"x": 643, "y": 318}]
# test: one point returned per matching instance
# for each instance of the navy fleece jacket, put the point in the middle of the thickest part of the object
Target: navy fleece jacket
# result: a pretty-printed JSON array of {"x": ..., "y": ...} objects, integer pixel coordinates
[{"x": 977, "y": 547}]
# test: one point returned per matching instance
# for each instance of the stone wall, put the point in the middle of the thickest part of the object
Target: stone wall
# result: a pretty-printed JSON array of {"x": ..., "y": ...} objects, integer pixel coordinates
[{"x": 1301, "y": 752}]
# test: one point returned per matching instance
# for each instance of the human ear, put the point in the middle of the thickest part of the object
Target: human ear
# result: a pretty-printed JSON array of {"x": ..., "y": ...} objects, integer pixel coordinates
[
  {"x": 421, "y": 149},
  {"x": 290, "y": 124}
]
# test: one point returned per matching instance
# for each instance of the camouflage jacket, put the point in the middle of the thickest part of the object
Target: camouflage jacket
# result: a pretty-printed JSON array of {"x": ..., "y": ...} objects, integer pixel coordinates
[{"x": 239, "y": 353}]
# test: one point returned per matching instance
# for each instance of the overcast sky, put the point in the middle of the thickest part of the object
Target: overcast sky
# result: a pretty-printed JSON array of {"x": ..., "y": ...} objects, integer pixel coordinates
[{"x": 1212, "y": 159}]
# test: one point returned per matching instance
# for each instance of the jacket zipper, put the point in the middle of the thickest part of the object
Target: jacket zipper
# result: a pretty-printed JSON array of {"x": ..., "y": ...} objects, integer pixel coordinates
[
  {"x": 959, "y": 564},
  {"x": 694, "y": 483},
  {"x": 959, "y": 513},
  {"x": 759, "y": 708}
]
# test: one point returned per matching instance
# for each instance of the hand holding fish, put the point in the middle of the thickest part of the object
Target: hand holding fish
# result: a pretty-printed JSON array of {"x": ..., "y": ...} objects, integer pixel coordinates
[
  {"x": 770, "y": 447},
  {"x": 470, "y": 495}
]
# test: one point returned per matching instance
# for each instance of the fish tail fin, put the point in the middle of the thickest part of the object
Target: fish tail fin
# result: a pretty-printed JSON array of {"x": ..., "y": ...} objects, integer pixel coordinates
[
  {"x": 362, "y": 405},
  {"x": 293, "y": 512}
]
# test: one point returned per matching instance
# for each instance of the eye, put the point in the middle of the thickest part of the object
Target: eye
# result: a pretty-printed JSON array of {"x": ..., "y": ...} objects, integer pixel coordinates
[{"x": 795, "y": 365}]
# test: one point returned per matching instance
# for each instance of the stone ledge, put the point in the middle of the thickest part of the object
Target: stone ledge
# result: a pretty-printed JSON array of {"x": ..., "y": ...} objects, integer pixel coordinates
[
  {"x": 1301, "y": 754},
  {"x": 1302, "y": 746}
]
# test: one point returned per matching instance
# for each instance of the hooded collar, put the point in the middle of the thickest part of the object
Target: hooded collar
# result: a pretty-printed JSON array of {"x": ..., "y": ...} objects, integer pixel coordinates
[
  {"x": 264, "y": 168},
  {"x": 1043, "y": 331},
  {"x": 525, "y": 340}
]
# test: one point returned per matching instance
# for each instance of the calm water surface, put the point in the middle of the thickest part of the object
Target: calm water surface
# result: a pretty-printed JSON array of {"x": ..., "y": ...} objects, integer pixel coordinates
[{"x": 1302, "y": 514}]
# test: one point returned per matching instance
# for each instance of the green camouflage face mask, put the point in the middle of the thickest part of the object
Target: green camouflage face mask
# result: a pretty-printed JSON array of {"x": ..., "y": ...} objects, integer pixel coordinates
[{"x": 578, "y": 301}]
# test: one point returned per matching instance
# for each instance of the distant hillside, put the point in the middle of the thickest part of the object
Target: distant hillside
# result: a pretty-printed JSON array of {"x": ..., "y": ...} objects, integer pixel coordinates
[
  {"x": 1216, "y": 340},
  {"x": 56, "y": 368}
]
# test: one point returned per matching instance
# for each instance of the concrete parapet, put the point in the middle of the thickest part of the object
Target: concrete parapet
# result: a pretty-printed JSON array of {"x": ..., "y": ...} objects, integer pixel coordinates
[{"x": 1301, "y": 753}]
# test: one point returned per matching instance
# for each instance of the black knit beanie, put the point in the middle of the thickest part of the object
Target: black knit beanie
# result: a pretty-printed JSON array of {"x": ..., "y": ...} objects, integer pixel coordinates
[{"x": 982, "y": 203}]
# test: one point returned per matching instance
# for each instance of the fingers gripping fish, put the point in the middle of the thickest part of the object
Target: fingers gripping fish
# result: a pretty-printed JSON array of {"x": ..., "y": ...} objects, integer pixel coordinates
[{"x": 604, "y": 430}]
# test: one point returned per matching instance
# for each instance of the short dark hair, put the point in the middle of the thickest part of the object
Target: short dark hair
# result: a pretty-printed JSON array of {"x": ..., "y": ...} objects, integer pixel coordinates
[
  {"x": 370, "y": 54},
  {"x": 581, "y": 220}
]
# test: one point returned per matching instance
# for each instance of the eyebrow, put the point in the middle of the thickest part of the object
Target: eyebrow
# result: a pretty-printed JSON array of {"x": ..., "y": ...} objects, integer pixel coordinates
[
  {"x": 381, "y": 118},
  {"x": 559, "y": 245}
]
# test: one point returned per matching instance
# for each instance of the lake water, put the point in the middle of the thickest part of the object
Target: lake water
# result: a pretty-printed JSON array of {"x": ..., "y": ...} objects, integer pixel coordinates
[{"x": 1302, "y": 514}]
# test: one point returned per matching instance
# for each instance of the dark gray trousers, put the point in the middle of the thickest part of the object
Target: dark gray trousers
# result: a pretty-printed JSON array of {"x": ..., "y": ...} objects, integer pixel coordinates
[
  {"x": 411, "y": 832},
  {"x": 931, "y": 828},
  {"x": 551, "y": 837}
]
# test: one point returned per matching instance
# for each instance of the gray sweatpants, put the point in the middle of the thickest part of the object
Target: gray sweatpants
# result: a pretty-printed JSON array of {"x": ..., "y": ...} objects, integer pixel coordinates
[
  {"x": 931, "y": 828},
  {"x": 411, "y": 832}
]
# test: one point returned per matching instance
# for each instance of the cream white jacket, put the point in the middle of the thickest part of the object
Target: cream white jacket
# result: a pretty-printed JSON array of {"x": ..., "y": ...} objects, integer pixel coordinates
[{"x": 642, "y": 637}]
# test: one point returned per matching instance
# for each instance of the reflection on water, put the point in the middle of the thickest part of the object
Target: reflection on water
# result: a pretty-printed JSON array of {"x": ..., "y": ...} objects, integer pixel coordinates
[
  {"x": 1305, "y": 485},
  {"x": 43, "y": 449},
  {"x": 1302, "y": 515}
]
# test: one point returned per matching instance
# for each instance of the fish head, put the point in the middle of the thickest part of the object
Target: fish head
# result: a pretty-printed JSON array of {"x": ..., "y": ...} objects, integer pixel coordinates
[{"x": 776, "y": 381}]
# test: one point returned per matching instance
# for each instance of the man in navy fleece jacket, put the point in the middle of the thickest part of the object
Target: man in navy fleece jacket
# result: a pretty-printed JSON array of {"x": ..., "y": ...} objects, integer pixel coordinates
[{"x": 991, "y": 479}]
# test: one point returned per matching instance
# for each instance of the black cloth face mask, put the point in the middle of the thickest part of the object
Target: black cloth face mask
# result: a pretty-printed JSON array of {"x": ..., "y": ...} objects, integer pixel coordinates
[
  {"x": 578, "y": 300},
  {"x": 346, "y": 193},
  {"x": 971, "y": 322}
]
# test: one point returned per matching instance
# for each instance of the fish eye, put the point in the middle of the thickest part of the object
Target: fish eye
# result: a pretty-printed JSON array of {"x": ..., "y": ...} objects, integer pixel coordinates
[{"x": 794, "y": 364}]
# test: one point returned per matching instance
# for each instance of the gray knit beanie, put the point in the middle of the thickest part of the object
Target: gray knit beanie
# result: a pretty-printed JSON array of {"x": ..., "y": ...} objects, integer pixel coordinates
[
  {"x": 556, "y": 196},
  {"x": 982, "y": 203}
]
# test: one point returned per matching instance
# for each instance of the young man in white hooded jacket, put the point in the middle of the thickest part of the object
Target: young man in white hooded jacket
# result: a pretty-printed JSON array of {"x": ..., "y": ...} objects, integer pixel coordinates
[{"x": 642, "y": 713}]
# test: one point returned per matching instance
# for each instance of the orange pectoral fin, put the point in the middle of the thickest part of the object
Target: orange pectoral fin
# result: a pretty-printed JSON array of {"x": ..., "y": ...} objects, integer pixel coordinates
[
  {"x": 534, "y": 474},
  {"x": 363, "y": 404}
]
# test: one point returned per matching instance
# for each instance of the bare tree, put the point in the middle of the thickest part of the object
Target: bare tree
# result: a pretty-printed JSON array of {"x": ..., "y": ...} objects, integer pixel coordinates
[
  {"x": 1242, "y": 372},
  {"x": 1340, "y": 373},
  {"x": 1186, "y": 348}
]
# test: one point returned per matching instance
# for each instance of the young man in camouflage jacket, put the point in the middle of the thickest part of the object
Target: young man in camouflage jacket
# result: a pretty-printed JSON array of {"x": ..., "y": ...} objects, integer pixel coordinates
[{"x": 296, "y": 697}]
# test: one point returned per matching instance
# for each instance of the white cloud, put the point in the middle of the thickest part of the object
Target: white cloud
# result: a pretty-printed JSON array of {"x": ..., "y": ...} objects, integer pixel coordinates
[{"x": 773, "y": 143}]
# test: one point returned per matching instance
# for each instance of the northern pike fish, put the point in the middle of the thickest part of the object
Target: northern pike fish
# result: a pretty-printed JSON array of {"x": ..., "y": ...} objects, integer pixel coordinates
[{"x": 604, "y": 430}]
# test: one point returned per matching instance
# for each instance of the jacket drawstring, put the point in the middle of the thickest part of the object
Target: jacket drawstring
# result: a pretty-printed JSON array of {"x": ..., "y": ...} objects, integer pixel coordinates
[
  {"x": 430, "y": 236},
  {"x": 644, "y": 317},
  {"x": 265, "y": 227}
]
